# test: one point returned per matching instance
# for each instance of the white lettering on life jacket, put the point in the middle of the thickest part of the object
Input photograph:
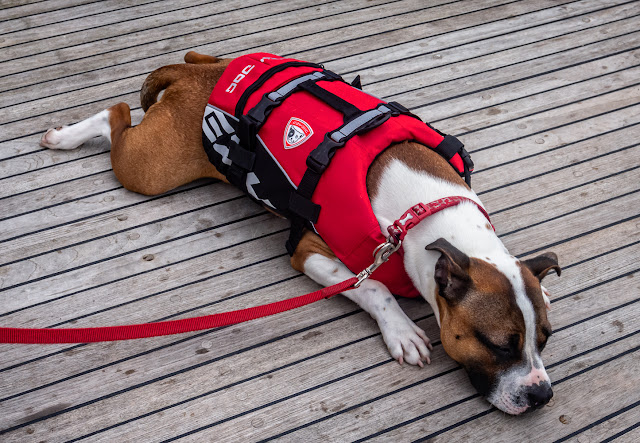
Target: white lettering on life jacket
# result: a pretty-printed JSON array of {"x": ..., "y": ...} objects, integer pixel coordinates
[{"x": 246, "y": 70}]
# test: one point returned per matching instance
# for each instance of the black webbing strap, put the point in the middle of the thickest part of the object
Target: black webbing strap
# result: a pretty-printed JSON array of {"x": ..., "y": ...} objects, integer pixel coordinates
[
  {"x": 338, "y": 103},
  {"x": 319, "y": 159},
  {"x": 450, "y": 146},
  {"x": 252, "y": 121},
  {"x": 242, "y": 102}
]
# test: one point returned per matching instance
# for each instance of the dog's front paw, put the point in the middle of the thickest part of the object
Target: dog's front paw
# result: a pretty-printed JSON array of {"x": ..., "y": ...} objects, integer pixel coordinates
[{"x": 407, "y": 342}]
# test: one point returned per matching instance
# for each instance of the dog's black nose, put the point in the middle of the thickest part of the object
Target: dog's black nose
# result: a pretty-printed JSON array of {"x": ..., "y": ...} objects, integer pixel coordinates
[{"x": 539, "y": 395}]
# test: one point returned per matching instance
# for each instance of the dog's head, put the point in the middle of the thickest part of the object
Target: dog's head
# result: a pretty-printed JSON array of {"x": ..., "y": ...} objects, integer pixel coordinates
[{"x": 494, "y": 323}]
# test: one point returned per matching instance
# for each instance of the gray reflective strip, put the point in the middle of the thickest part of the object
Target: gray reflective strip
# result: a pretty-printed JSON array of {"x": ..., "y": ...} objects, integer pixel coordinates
[
  {"x": 286, "y": 89},
  {"x": 354, "y": 124},
  {"x": 210, "y": 135}
]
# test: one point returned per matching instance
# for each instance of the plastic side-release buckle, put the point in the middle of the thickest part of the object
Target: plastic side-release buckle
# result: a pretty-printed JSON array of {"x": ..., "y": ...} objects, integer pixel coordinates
[
  {"x": 318, "y": 160},
  {"x": 259, "y": 112},
  {"x": 397, "y": 109},
  {"x": 330, "y": 75}
]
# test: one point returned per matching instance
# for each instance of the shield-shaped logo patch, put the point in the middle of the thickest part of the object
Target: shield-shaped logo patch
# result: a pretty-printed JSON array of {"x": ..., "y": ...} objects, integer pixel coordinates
[{"x": 296, "y": 133}]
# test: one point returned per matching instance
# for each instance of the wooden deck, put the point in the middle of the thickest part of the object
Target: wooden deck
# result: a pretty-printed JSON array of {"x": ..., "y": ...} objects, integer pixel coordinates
[{"x": 546, "y": 96}]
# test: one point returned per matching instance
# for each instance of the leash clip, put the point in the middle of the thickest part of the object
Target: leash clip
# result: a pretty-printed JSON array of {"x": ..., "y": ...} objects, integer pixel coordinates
[{"x": 381, "y": 254}]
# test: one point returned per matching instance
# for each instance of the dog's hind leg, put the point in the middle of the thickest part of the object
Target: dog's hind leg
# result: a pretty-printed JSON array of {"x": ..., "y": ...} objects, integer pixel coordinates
[
  {"x": 70, "y": 137},
  {"x": 404, "y": 339}
]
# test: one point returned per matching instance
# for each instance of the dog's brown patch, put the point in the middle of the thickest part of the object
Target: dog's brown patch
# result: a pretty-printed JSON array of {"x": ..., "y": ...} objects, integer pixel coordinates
[
  {"x": 416, "y": 156},
  {"x": 150, "y": 164}
]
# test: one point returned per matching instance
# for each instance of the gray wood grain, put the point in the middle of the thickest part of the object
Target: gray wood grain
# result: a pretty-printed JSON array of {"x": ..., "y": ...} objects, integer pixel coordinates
[{"x": 546, "y": 95}]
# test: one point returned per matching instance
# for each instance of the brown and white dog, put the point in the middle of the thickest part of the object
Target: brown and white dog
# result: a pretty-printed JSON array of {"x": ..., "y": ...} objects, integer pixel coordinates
[{"x": 490, "y": 306}]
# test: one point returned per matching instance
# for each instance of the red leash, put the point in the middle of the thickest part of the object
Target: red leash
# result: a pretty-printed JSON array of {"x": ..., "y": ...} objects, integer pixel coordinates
[
  {"x": 128, "y": 332},
  {"x": 381, "y": 254}
]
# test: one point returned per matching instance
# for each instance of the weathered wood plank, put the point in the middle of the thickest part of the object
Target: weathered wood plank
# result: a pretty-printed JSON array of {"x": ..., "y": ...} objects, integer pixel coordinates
[
  {"x": 101, "y": 20},
  {"x": 177, "y": 264},
  {"x": 16, "y": 9},
  {"x": 53, "y": 119},
  {"x": 527, "y": 84},
  {"x": 199, "y": 194},
  {"x": 325, "y": 400},
  {"x": 582, "y": 94},
  {"x": 524, "y": 216},
  {"x": 570, "y": 398},
  {"x": 345, "y": 49},
  {"x": 25, "y": 154},
  {"x": 374, "y": 416},
  {"x": 569, "y": 315},
  {"x": 569, "y": 312},
  {"x": 128, "y": 47},
  {"x": 618, "y": 423},
  {"x": 397, "y": 76},
  {"x": 50, "y": 120},
  {"x": 79, "y": 257},
  {"x": 21, "y": 27}
]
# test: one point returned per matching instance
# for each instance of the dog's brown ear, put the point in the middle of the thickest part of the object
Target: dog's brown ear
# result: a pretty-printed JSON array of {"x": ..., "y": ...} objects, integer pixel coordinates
[
  {"x": 542, "y": 264},
  {"x": 452, "y": 271}
]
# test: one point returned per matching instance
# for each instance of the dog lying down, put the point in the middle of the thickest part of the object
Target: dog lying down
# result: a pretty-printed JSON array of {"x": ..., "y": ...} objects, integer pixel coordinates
[{"x": 343, "y": 165}]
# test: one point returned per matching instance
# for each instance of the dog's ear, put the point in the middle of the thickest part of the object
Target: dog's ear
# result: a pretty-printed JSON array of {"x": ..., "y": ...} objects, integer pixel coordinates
[
  {"x": 452, "y": 271},
  {"x": 542, "y": 264}
]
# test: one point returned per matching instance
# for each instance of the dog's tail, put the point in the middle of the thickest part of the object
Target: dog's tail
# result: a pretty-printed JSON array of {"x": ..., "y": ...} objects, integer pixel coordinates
[
  {"x": 195, "y": 58},
  {"x": 156, "y": 82},
  {"x": 162, "y": 78}
]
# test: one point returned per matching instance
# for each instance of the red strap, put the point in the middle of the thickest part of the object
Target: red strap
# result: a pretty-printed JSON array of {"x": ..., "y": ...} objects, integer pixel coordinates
[
  {"x": 419, "y": 212},
  {"x": 128, "y": 332}
]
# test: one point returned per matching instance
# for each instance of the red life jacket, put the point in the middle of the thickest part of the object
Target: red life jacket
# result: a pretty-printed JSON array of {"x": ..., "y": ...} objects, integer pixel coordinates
[{"x": 273, "y": 126}]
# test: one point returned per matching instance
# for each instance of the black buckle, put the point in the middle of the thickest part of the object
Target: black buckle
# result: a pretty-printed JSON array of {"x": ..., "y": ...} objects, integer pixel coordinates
[
  {"x": 319, "y": 158},
  {"x": 330, "y": 75},
  {"x": 466, "y": 158},
  {"x": 397, "y": 109},
  {"x": 259, "y": 112}
]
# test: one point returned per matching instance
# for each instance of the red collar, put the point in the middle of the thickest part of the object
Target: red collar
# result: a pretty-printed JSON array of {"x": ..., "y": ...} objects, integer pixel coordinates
[{"x": 419, "y": 212}]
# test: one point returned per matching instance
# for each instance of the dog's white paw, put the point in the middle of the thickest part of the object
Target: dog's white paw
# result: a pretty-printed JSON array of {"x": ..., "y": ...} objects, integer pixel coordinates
[
  {"x": 56, "y": 138},
  {"x": 545, "y": 297},
  {"x": 407, "y": 342}
]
